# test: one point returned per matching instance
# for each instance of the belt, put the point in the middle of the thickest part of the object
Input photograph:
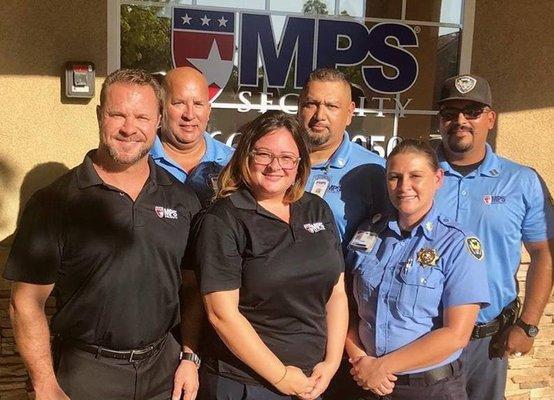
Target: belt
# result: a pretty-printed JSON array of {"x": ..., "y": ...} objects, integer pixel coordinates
[
  {"x": 485, "y": 330},
  {"x": 432, "y": 376},
  {"x": 129, "y": 355}
]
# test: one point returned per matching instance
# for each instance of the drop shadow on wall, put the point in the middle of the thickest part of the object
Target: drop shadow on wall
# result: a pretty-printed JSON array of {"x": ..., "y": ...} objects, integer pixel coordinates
[
  {"x": 37, "y": 178},
  {"x": 7, "y": 185}
]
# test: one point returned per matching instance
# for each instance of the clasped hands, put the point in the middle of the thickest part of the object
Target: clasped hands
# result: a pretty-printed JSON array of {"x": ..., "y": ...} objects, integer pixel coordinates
[
  {"x": 296, "y": 383},
  {"x": 369, "y": 373}
]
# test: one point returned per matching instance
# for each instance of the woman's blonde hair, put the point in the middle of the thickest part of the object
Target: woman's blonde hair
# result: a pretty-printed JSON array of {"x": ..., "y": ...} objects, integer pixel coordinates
[{"x": 236, "y": 175}]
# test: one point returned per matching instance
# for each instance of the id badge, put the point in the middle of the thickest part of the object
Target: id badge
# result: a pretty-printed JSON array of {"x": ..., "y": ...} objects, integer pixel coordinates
[
  {"x": 364, "y": 240},
  {"x": 320, "y": 186}
]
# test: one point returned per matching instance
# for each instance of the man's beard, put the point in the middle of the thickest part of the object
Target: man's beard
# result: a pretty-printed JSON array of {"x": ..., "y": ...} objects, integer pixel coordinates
[
  {"x": 125, "y": 158},
  {"x": 459, "y": 145},
  {"x": 316, "y": 140}
]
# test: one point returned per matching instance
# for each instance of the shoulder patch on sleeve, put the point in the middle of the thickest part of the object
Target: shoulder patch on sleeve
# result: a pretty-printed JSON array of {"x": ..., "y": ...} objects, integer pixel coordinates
[{"x": 475, "y": 247}]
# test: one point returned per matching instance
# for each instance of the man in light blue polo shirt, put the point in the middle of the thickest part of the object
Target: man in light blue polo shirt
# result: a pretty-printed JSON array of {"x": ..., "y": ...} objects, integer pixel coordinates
[
  {"x": 184, "y": 148},
  {"x": 348, "y": 176},
  {"x": 505, "y": 204}
]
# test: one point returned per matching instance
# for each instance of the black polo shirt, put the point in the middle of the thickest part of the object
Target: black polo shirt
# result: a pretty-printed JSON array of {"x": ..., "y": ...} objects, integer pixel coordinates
[
  {"x": 115, "y": 263},
  {"x": 285, "y": 273}
]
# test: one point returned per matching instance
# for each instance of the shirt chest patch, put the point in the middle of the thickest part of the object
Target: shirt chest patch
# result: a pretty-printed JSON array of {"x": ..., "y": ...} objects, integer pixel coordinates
[
  {"x": 314, "y": 227},
  {"x": 490, "y": 199},
  {"x": 163, "y": 212},
  {"x": 334, "y": 189}
]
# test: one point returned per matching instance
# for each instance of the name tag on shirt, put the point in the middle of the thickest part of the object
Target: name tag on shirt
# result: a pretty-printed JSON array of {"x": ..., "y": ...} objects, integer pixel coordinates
[
  {"x": 320, "y": 186},
  {"x": 363, "y": 240}
]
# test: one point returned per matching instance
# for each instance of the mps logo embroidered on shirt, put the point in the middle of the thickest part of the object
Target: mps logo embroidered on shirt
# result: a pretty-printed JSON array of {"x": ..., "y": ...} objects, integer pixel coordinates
[
  {"x": 315, "y": 227},
  {"x": 489, "y": 199},
  {"x": 163, "y": 212}
]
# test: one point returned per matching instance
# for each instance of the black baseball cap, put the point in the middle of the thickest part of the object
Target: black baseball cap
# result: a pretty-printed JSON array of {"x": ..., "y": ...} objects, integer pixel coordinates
[{"x": 466, "y": 87}]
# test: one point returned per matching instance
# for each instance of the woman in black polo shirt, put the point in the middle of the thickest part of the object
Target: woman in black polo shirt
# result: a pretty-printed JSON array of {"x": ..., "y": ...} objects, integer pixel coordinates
[{"x": 271, "y": 273}]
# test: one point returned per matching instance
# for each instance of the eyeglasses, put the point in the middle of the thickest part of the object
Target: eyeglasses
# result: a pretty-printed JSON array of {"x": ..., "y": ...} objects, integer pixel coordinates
[
  {"x": 470, "y": 112},
  {"x": 266, "y": 158}
]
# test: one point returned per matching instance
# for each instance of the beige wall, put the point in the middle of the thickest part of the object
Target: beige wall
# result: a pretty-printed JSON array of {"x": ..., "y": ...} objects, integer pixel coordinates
[
  {"x": 514, "y": 50},
  {"x": 41, "y": 133},
  {"x": 37, "y": 125}
]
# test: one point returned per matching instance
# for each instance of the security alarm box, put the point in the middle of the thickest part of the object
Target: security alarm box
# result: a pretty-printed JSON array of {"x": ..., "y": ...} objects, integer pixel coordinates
[{"x": 79, "y": 79}]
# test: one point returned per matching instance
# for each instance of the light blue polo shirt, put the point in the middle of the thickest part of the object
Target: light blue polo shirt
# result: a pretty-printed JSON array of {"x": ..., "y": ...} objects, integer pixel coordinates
[
  {"x": 504, "y": 203},
  {"x": 400, "y": 295},
  {"x": 356, "y": 185},
  {"x": 202, "y": 178}
]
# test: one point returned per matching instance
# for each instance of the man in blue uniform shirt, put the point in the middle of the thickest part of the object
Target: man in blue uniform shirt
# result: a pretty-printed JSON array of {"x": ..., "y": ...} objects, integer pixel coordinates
[
  {"x": 184, "y": 148},
  {"x": 349, "y": 177},
  {"x": 505, "y": 204}
]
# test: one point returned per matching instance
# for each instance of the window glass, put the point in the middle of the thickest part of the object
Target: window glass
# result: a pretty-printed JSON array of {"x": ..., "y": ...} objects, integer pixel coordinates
[
  {"x": 247, "y": 4},
  {"x": 146, "y": 42},
  {"x": 444, "y": 11},
  {"x": 383, "y": 9},
  {"x": 324, "y": 7},
  {"x": 354, "y": 8}
]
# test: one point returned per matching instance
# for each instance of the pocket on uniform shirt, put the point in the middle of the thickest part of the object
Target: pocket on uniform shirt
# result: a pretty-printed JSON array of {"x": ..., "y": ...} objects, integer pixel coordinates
[
  {"x": 367, "y": 275},
  {"x": 420, "y": 292}
]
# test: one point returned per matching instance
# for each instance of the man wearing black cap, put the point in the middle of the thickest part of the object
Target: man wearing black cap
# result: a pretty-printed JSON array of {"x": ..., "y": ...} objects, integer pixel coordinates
[{"x": 506, "y": 205}]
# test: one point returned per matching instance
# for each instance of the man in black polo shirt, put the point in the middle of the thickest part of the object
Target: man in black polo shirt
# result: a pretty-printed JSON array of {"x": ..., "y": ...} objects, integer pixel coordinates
[{"x": 108, "y": 238}]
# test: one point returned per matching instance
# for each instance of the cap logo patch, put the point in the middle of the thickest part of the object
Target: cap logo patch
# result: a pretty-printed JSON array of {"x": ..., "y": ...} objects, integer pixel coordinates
[{"x": 465, "y": 84}]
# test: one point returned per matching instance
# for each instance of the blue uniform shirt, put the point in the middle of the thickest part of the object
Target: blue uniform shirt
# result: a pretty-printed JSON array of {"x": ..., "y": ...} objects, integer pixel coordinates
[
  {"x": 403, "y": 284},
  {"x": 355, "y": 185},
  {"x": 504, "y": 203},
  {"x": 203, "y": 177}
]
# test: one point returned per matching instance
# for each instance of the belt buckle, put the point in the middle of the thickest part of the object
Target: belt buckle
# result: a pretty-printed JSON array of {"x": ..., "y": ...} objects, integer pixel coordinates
[{"x": 131, "y": 356}]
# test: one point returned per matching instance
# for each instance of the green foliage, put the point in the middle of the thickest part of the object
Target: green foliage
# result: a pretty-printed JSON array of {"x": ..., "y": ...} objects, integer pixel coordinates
[
  {"x": 315, "y": 7},
  {"x": 145, "y": 39}
]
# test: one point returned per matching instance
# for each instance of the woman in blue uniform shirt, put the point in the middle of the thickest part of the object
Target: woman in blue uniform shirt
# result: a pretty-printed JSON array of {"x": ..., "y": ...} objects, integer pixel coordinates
[{"x": 418, "y": 282}]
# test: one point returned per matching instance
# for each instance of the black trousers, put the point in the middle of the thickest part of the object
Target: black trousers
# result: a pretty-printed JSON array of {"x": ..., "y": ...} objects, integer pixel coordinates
[
  {"x": 84, "y": 376},
  {"x": 452, "y": 388},
  {"x": 217, "y": 387},
  {"x": 343, "y": 387}
]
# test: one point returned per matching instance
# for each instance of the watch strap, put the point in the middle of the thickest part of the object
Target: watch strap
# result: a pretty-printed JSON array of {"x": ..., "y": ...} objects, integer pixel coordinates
[
  {"x": 190, "y": 356},
  {"x": 530, "y": 330}
]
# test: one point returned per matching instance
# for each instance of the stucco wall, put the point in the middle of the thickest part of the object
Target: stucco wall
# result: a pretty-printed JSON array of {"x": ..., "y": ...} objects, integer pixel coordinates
[
  {"x": 41, "y": 133},
  {"x": 37, "y": 125},
  {"x": 514, "y": 50}
]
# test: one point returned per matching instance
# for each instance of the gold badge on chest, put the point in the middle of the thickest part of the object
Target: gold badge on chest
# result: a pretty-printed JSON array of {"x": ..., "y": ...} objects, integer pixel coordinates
[{"x": 427, "y": 257}]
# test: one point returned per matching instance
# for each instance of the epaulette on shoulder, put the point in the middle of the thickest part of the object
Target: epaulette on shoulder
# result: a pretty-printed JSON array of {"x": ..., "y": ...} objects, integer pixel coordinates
[{"x": 452, "y": 224}]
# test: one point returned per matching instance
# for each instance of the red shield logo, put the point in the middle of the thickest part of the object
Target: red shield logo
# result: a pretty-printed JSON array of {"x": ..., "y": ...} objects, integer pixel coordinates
[
  {"x": 204, "y": 39},
  {"x": 487, "y": 199},
  {"x": 159, "y": 211}
]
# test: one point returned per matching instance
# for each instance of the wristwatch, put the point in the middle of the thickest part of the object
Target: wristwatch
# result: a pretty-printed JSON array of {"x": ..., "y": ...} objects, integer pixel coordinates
[
  {"x": 190, "y": 356},
  {"x": 530, "y": 330}
]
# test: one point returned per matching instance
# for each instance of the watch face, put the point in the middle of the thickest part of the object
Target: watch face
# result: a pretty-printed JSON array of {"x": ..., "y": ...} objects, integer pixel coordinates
[{"x": 533, "y": 331}]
